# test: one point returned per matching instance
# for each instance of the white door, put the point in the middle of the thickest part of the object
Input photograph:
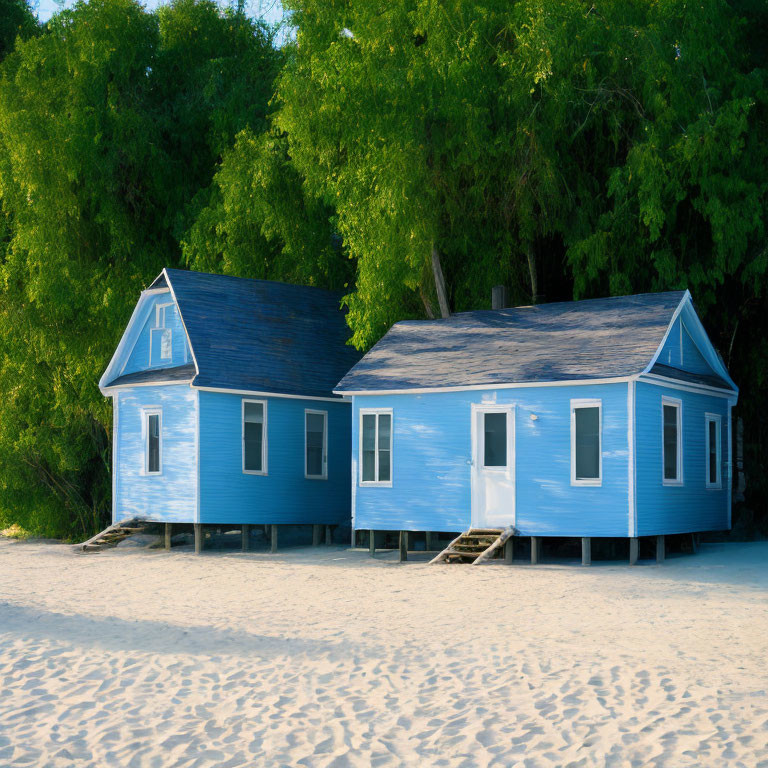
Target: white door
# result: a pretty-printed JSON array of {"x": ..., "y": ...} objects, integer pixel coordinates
[{"x": 493, "y": 466}]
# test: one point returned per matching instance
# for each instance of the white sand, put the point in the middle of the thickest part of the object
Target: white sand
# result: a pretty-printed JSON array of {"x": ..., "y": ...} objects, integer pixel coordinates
[{"x": 326, "y": 658}]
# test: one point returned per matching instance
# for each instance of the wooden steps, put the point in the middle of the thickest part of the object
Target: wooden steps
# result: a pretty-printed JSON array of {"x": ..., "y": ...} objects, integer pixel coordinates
[
  {"x": 112, "y": 536},
  {"x": 475, "y": 546}
]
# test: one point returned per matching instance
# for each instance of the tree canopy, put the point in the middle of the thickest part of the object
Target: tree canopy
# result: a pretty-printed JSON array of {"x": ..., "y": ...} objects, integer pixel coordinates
[
  {"x": 413, "y": 153},
  {"x": 112, "y": 124}
]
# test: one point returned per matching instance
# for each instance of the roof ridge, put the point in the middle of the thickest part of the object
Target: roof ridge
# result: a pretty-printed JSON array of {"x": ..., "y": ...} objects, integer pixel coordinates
[
  {"x": 572, "y": 301},
  {"x": 171, "y": 270}
]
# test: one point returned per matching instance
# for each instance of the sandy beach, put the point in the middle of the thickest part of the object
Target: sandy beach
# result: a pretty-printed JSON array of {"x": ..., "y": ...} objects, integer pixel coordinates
[{"x": 324, "y": 657}]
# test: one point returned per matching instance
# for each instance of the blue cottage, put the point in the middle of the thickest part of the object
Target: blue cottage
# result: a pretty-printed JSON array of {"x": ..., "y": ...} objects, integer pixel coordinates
[
  {"x": 223, "y": 404},
  {"x": 597, "y": 418}
]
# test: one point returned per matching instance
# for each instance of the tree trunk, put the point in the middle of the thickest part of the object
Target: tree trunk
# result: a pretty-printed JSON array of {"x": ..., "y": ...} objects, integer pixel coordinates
[
  {"x": 532, "y": 272},
  {"x": 427, "y": 304},
  {"x": 439, "y": 283}
]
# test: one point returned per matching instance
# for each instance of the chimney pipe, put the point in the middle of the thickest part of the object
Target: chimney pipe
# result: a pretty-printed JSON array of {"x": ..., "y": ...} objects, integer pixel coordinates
[{"x": 499, "y": 297}]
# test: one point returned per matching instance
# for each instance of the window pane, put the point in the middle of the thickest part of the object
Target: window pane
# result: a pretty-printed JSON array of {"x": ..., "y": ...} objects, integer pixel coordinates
[
  {"x": 670, "y": 442},
  {"x": 712, "y": 452},
  {"x": 384, "y": 466},
  {"x": 153, "y": 443},
  {"x": 587, "y": 443},
  {"x": 495, "y": 439},
  {"x": 253, "y": 412},
  {"x": 385, "y": 431},
  {"x": 253, "y": 433},
  {"x": 165, "y": 344},
  {"x": 369, "y": 447},
  {"x": 315, "y": 443}
]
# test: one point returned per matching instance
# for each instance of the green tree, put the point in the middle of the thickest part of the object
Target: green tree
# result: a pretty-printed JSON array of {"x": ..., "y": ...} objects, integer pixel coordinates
[
  {"x": 110, "y": 124},
  {"x": 259, "y": 223},
  {"x": 16, "y": 20}
]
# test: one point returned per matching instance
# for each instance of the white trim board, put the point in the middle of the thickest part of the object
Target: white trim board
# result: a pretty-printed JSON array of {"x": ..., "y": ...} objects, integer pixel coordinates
[
  {"x": 631, "y": 460},
  {"x": 258, "y": 393},
  {"x": 686, "y": 386},
  {"x": 648, "y": 378},
  {"x": 481, "y": 387},
  {"x": 181, "y": 317}
]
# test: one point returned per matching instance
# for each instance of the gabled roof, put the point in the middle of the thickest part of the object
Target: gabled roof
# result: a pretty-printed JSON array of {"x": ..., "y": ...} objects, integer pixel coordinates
[
  {"x": 567, "y": 341},
  {"x": 257, "y": 335}
]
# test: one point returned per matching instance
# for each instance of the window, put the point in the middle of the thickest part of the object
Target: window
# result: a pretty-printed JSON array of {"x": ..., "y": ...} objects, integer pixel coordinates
[
  {"x": 153, "y": 428},
  {"x": 714, "y": 449},
  {"x": 255, "y": 437},
  {"x": 376, "y": 447},
  {"x": 316, "y": 444},
  {"x": 672, "y": 448},
  {"x": 495, "y": 439},
  {"x": 586, "y": 447}
]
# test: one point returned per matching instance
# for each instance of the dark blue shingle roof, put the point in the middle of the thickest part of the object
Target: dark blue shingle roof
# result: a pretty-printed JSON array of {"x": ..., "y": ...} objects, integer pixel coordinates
[
  {"x": 259, "y": 335},
  {"x": 575, "y": 340}
]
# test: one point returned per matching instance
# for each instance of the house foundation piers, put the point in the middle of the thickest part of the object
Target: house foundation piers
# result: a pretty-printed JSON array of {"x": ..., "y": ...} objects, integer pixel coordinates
[
  {"x": 536, "y": 550},
  {"x": 322, "y": 534}
]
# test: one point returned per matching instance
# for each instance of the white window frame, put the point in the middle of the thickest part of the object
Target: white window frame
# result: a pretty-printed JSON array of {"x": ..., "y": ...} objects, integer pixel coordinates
[
  {"x": 376, "y": 483},
  {"x": 587, "y": 403},
  {"x": 160, "y": 326},
  {"x": 264, "y": 433},
  {"x": 146, "y": 413},
  {"x": 717, "y": 419},
  {"x": 324, "y": 475},
  {"x": 158, "y": 313},
  {"x": 675, "y": 403}
]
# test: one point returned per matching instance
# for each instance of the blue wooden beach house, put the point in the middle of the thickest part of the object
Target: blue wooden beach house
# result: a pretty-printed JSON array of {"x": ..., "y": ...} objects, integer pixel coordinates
[
  {"x": 223, "y": 406},
  {"x": 599, "y": 418}
]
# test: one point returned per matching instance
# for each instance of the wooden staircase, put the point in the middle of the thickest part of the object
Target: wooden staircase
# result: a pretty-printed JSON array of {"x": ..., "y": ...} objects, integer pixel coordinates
[
  {"x": 475, "y": 546},
  {"x": 112, "y": 535}
]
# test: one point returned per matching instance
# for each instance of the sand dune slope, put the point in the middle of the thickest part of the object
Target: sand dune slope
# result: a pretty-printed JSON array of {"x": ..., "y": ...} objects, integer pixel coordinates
[{"x": 326, "y": 658}]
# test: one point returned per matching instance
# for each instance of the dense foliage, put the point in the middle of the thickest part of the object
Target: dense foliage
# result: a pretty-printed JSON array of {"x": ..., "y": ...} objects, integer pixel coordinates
[
  {"x": 416, "y": 152},
  {"x": 112, "y": 123}
]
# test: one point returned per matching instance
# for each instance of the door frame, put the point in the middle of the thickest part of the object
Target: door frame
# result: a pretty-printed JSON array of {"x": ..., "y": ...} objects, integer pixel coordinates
[{"x": 475, "y": 446}]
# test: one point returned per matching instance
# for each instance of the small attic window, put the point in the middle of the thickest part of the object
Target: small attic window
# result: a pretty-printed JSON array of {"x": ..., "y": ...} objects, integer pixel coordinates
[{"x": 161, "y": 337}]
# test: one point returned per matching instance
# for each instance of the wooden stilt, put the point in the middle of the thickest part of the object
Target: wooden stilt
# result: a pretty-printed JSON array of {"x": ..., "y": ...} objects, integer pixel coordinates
[
  {"x": 403, "y": 546},
  {"x": 634, "y": 548},
  {"x": 694, "y": 543},
  {"x": 273, "y": 538},
  {"x": 316, "y": 532},
  {"x": 586, "y": 550},
  {"x": 245, "y": 535},
  {"x": 328, "y": 535},
  {"x": 198, "y": 538},
  {"x": 428, "y": 541},
  {"x": 660, "y": 549},
  {"x": 372, "y": 542},
  {"x": 168, "y": 527},
  {"x": 534, "y": 550},
  {"x": 509, "y": 550}
]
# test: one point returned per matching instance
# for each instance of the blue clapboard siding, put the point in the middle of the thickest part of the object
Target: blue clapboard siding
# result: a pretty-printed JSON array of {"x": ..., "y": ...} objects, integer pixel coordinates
[
  {"x": 432, "y": 452},
  {"x": 681, "y": 351},
  {"x": 691, "y": 507},
  {"x": 171, "y": 495},
  {"x": 138, "y": 357},
  {"x": 228, "y": 495},
  {"x": 692, "y": 359}
]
